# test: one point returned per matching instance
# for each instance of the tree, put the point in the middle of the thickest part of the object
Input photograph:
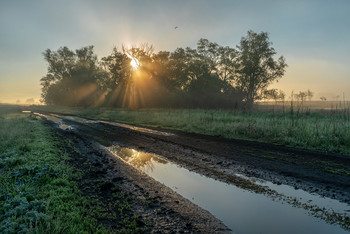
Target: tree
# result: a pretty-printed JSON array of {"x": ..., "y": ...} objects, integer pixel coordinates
[
  {"x": 118, "y": 67},
  {"x": 74, "y": 78},
  {"x": 301, "y": 96},
  {"x": 256, "y": 66},
  {"x": 323, "y": 98},
  {"x": 271, "y": 94},
  {"x": 310, "y": 94},
  {"x": 274, "y": 94},
  {"x": 204, "y": 75},
  {"x": 130, "y": 86},
  {"x": 209, "y": 76},
  {"x": 161, "y": 69},
  {"x": 281, "y": 95},
  {"x": 220, "y": 60},
  {"x": 30, "y": 101}
]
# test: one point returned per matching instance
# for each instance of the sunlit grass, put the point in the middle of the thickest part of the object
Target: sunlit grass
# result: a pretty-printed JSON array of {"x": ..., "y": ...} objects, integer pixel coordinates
[{"x": 325, "y": 131}]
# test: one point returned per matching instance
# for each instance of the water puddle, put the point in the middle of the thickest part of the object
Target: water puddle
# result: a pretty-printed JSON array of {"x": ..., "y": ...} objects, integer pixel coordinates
[
  {"x": 241, "y": 210},
  {"x": 303, "y": 196},
  {"x": 55, "y": 120},
  {"x": 58, "y": 119},
  {"x": 145, "y": 130},
  {"x": 78, "y": 119}
]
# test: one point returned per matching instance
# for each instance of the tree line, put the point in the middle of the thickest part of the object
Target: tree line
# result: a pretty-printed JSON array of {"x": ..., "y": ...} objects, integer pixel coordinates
[{"x": 209, "y": 76}]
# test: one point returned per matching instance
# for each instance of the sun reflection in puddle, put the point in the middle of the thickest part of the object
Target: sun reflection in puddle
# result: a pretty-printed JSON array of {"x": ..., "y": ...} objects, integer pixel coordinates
[
  {"x": 138, "y": 159},
  {"x": 241, "y": 210}
]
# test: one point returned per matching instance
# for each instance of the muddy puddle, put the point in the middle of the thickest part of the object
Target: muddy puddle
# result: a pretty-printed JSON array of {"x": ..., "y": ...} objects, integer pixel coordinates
[
  {"x": 242, "y": 211},
  {"x": 54, "y": 119},
  {"x": 77, "y": 119},
  {"x": 58, "y": 119},
  {"x": 145, "y": 130},
  {"x": 303, "y": 196}
]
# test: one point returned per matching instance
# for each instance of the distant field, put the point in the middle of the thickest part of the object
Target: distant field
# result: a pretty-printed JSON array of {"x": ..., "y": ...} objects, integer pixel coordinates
[
  {"x": 304, "y": 126},
  {"x": 314, "y": 106}
]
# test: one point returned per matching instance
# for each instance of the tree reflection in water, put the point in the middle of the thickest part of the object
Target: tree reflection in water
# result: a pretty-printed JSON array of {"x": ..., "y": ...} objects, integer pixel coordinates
[{"x": 138, "y": 159}]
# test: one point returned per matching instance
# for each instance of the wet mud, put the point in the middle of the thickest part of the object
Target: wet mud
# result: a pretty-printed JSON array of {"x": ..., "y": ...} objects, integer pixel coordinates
[
  {"x": 105, "y": 177},
  {"x": 231, "y": 161}
]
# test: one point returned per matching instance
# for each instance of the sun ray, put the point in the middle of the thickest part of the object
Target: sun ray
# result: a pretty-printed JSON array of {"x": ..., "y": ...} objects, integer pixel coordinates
[{"x": 134, "y": 61}]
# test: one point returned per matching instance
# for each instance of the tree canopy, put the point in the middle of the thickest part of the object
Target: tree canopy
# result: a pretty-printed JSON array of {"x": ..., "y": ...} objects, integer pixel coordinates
[
  {"x": 257, "y": 68},
  {"x": 208, "y": 76},
  {"x": 74, "y": 78}
]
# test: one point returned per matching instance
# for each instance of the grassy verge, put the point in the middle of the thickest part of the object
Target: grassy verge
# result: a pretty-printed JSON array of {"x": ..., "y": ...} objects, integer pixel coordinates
[
  {"x": 325, "y": 131},
  {"x": 38, "y": 188}
]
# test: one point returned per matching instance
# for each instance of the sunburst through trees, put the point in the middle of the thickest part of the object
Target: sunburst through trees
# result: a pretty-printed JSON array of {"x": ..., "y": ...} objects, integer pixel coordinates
[{"x": 210, "y": 76}]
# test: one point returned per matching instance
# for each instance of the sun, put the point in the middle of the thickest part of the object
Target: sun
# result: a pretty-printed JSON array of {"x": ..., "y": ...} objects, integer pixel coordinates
[{"x": 134, "y": 61}]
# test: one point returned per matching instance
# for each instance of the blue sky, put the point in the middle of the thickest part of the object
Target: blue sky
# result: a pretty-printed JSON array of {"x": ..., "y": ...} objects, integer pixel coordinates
[{"x": 313, "y": 36}]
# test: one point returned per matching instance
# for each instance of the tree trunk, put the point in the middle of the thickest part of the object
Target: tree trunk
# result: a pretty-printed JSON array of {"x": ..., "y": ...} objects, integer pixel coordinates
[{"x": 249, "y": 103}]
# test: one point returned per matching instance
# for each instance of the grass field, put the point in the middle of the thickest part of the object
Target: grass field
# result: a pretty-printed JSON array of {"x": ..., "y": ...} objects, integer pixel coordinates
[
  {"x": 38, "y": 188},
  {"x": 300, "y": 126}
]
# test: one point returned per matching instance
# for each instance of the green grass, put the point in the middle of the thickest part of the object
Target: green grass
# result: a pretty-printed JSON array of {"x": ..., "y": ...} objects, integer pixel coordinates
[
  {"x": 38, "y": 189},
  {"x": 321, "y": 130}
]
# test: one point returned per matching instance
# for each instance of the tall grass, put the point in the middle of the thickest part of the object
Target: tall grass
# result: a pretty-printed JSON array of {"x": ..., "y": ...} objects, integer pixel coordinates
[{"x": 325, "y": 130}]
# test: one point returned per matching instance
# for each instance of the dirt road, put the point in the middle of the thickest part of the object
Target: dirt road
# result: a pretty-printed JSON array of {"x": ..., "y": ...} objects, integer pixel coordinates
[{"x": 222, "y": 159}]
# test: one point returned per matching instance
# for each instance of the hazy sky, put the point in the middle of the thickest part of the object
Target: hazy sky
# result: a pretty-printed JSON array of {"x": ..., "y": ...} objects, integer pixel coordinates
[{"x": 314, "y": 36}]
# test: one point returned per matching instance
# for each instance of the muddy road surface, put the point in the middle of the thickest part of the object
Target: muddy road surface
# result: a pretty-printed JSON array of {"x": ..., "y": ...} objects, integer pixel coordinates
[{"x": 311, "y": 186}]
